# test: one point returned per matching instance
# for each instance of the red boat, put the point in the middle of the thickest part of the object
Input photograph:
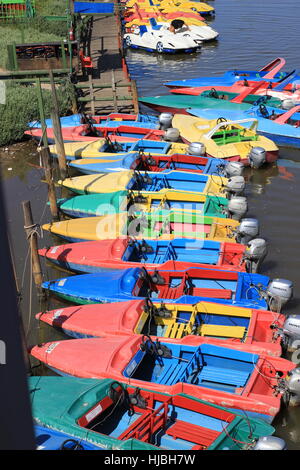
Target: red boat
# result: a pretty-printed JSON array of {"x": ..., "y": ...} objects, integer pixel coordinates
[
  {"x": 258, "y": 328},
  {"x": 177, "y": 254},
  {"x": 88, "y": 133},
  {"x": 232, "y": 376}
]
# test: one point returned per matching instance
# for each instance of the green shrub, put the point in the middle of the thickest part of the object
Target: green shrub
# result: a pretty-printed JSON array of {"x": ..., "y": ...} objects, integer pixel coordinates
[{"x": 22, "y": 106}]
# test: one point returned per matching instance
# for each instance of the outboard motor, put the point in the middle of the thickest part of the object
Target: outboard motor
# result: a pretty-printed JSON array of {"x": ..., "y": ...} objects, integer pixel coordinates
[
  {"x": 165, "y": 121},
  {"x": 196, "y": 148},
  {"x": 235, "y": 185},
  {"x": 255, "y": 253},
  {"x": 257, "y": 157},
  {"x": 247, "y": 230},
  {"x": 233, "y": 169},
  {"x": 279, "y": 292},
  {"x": 292, "y": 386},
  {"x": 287, "y": 104},
  {"x": 237, "y": 207},
  {"x": 291, "y": 332},
  {"x": 270, "y": 443},
  {"x": 171, "y": 135}
]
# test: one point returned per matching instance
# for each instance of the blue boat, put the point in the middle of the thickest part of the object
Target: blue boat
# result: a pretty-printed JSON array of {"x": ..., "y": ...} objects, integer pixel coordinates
[
  {"x": 135, "y": 161},
  {"x": 147, "y": 120},
  {"x": 49, "y": 439},
  {"x": 271, "y": 72},
  {"x": 281, "y": 126},
  {"x": 185, "y": 287}
]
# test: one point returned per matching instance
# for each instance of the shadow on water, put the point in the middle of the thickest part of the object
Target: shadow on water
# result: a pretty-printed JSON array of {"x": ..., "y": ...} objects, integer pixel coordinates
[{"x": 247, "y": 41}]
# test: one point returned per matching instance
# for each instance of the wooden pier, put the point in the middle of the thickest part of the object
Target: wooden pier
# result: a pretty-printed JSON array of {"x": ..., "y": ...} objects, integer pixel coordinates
[{"x": 108, "y": 87}]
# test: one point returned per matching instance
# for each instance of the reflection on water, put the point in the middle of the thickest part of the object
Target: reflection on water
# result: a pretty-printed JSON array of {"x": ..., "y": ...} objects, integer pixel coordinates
[{"x": 248, "y": 39}]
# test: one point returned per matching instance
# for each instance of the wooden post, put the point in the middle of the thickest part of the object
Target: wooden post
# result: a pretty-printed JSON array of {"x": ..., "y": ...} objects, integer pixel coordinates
[
  {"x": 114, "y": 91},
  {"x": 30, "y": 227},
  {"x": 59, "y": 142},
  {"x": 42, "y": 113},
  {"x": 92, "y": 96},
  {"x": 134, "y": 96},
  {"x": 46, "y": 159}
]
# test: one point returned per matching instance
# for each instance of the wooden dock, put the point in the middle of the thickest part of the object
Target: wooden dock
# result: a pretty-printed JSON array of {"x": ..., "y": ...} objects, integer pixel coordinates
[{"x": 108, "y": 87}]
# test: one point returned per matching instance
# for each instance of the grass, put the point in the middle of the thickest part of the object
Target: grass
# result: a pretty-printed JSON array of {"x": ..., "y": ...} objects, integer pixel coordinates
[{"x": 51, "y": 7}]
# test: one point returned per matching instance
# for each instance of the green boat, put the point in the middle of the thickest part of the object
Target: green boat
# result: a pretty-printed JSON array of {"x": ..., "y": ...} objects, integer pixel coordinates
[
  {"x": 133, "y": 202},
  {"x": 177, "y": 103},
  {"x": 115, "y": 416}
]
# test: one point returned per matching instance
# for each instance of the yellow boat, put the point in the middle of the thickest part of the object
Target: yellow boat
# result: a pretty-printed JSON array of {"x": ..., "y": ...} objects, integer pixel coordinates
[
  {"x": 147, "y": 181},
  {"x": 225, "y": 139},
  {"x": 145, "y": 227},
  {"x": 162, "y": 20},
  {"x": 91, "y": 149}
]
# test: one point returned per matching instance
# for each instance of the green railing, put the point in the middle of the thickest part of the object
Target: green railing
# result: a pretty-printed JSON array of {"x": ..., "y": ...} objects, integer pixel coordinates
[{"x": 11, "y": 10}]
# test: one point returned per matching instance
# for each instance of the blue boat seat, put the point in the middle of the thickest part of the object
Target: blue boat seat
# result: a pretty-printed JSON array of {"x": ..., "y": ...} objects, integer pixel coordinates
[
  {"x": 223, "y": 376},
  {"x": 171, "y": 373},
  {"x": 154, "y": 24},
  {"x": 143, "y": 29}
]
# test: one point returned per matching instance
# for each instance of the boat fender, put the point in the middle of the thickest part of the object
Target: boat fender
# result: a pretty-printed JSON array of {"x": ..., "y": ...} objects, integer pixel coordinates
[
  {"x": 257, "y": 157},
  {"x": 165, "y": 121},
  {"x": 279, "y": 292},
  {"x": 171, "y": 135},
  {"x": 247, "y": 230},
  {"x": 270, "y": 443},
  {"x": 197, "y": 149}
]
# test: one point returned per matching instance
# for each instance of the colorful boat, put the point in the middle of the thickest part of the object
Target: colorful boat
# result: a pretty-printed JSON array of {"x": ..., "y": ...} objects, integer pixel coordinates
[
  {"x": 231, "y": 375},
  {"x": 50, "y": 439},
  {"x": 182, "y": 287},
  {"x": 109, "y": 119},
  {"x": 181, "y": 104},
  {"x": 105, "y": 255},
  {"x": 271, "y": 71},
  {"x": 159, "y": 203},
  {"x": 279, "y": 125},
  {"x": 156, "y": 163},
  {"x": 135, "y": 180},
  {"x": 135, "y": 418},
  {"x": 160, "y": 227},
  {"x": 226, "y": 139},
  {"x": 260, "y": 328}
]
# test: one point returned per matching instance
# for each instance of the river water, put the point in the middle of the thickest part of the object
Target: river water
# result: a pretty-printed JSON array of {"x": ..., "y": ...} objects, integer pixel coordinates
[{"x": 252, "y": 34}]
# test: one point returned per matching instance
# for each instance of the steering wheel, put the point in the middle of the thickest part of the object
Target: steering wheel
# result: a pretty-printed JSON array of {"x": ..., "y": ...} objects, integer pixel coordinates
[
  {"x": 213, "y": 93},
  {"x": 222, "y": 119},
  {"x": 75, "y": 445},
  {"x": 263, "y": 110}
]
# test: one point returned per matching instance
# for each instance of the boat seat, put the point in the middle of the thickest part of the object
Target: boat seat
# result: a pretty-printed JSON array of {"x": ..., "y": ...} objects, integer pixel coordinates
[
  {"x": 192, "y": 433},
  {"x": 223, "y": 331},
  {"x": 143, "y": 29},
  {"x": 175, "y": 330},
  {"x": 171, "y": 373},
  {"x": 214, "y": 293},
  {"x": 223, "y": 376}
]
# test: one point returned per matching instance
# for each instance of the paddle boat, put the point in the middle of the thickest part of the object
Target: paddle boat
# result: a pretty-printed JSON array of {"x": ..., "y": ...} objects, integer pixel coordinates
[
  {"x": 283, "y": 127},
  {"x": 134, "y": 180},
  {"x": 157, "y": 163},
  {"x": 160, "y": 203},
  {"x": 105, "y": 255},
  {"x": 186, "y": 286},
  {"x": 259, "y": 328},
  {"x": 89, "y": 133},
  {"x": 169, "y": 5},
  {"x": 160, "y": 40},
  {"x": 116, "y": 416},
  {"x": 117, "y": 118},
  {"x": 283, "y": 89},
  {"x": 221, "y": 373},
  {"x": 207, "y": 100},
  {"x": 228, "y": 139},
  {"x": 110, "y": 148},
  {"x": 50, "y": 439},
  {"x": 165, "y": 225},
  {"x": 271, "y": 71}
]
